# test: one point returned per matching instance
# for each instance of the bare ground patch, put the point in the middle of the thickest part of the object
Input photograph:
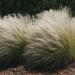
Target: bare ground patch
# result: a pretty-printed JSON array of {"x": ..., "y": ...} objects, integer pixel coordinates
[{"x": 69, "y": 70}]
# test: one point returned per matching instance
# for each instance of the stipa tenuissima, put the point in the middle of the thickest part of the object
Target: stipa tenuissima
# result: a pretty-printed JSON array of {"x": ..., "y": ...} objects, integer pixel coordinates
[
  {"x": 52, "y": 42},
  {"x": 14, "y": 34}
]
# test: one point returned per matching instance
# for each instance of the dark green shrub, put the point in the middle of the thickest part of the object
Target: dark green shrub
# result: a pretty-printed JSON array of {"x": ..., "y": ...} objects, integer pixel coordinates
[{"x": 32, "y": 7}]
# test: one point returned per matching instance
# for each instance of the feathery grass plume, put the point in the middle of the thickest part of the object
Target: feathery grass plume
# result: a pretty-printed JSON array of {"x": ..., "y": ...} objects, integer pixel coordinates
[
  {"x": 13, "y": 38},
  {"x": 72, "y": 38},
  {"x": 50, "y": 43}
]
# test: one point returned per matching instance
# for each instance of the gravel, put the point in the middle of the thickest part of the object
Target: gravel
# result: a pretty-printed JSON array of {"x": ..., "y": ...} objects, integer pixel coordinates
[{"x": 20, "y": 70}]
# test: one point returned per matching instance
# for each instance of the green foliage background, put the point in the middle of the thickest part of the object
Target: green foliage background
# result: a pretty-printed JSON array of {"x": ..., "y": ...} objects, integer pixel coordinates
[{"x": 33, "y": 6}]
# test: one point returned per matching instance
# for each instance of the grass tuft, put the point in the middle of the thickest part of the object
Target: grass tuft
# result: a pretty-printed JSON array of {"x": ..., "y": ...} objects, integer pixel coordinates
[{"x": 52, "y": 41}]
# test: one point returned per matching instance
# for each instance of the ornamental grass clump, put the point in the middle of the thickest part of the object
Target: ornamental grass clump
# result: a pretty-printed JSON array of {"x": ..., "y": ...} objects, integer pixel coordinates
[
  {"x": 13, "y": 38},
  {"x": 52, "y": 42},
  {"x": 44, "y": 43}
]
